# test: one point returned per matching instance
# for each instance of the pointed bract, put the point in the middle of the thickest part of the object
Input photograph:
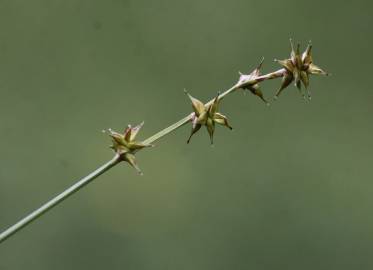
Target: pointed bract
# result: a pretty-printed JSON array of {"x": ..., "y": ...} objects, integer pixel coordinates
[
  {"x": 210, "y": 126},
  {"x": 135, "y": 130},
  {"x": 287, "y": 64},
  {"x": 130, "y": 158},
  {"x": 306, "y": 56},
  {"x": 194, "y": 130},
  {"x": 221, "y": 120},
  {"x": 214, "y": 106},
  {"x": 286, "y": 80},
  {"x": 313, "y": 69},
  {"x": 304, "y": 78},
  {"x": 198, "y": 106}
]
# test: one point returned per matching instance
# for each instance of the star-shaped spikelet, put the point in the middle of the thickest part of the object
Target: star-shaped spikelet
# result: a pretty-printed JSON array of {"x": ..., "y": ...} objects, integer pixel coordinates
[
  {"x": 298, "y": 68},
  {"x": 207, "y": 116},
  {"x": 126, "y": 146},
  {"x": 254, "y": 88}
]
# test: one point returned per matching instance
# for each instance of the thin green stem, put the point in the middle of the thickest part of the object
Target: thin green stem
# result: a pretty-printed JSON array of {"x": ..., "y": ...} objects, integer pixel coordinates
[
  {"x": 167, "y": 130},
  {"x": 58, "y": 199},
  {"x": 107, "y": 166}
]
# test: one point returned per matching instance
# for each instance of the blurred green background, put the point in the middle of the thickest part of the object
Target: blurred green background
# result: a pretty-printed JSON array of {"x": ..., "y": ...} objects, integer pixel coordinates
[{"x": 289, "y": 188}]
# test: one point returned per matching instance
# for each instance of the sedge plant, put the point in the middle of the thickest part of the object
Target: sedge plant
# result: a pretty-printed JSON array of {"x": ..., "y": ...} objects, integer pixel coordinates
[{"x": 295, "y": 69}]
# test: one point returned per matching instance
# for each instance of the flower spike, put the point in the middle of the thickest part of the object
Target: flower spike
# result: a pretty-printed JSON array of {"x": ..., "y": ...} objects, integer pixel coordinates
[
  {"x": 298, "y": 68},
  {"x": 126, "y": 146},
  {"x": 254, "y": 88},
  {"x": 206, "y": 116}
]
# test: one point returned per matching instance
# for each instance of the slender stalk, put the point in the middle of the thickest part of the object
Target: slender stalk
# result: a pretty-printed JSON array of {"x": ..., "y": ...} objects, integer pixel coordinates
[
  {"x": 107, "y": 166},
  {"x": 58, "y": 199},
  {"x": 167, "y": 130}
]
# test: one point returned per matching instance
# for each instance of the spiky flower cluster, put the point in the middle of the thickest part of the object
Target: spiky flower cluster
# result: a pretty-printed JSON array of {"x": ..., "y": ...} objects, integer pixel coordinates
[
  {"x": 126, "y": 146},
  {"x": 298, "y": 68},
  {"x": 206, "y": 115},
  {"x": 295, "y": 69},
  {"x": 254, "y": 88}
]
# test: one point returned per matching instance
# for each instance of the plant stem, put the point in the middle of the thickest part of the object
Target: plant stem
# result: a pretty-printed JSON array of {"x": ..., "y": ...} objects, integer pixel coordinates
[
  {"x": 58, "y": 199},
  {"x": 167, "y": 130},
  {"x": 89, "y": 178}
]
